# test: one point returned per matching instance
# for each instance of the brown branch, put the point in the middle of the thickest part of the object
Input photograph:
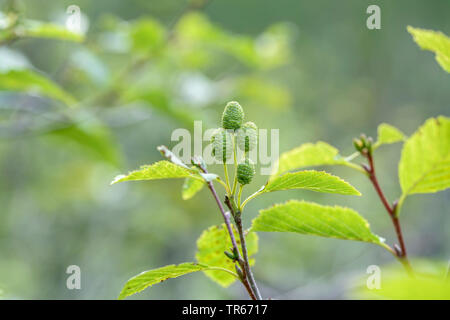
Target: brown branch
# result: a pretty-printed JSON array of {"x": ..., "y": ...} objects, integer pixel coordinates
[
  {"x": 226, "y": 218},
  {"x": 401, "y": 252}
]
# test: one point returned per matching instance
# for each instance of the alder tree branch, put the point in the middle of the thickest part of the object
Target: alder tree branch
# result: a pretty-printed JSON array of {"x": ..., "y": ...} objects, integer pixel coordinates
[{"x": 400, "y": 252}]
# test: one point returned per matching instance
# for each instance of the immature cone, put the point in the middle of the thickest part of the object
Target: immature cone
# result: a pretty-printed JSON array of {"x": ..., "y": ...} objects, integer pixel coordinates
[
  {"x": 232, "y": 116},
  {"x": 245, "y": 171},
  {"x": 222, "y": 145},
  {"x": 247, "y": 136}
]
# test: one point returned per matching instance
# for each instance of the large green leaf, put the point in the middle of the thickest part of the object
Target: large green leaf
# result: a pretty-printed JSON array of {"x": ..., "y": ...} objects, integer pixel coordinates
[
  {"x": 314, "y": 219},
  {"x": 159, "y": 170},
  {"x": 151, "y": 277},
  {"x": 434, "y": 41},
  {"x": 32, "y": 82},
  {"x": 425, "y": 161},
  {"x": 388, "y": 134},
  {"x": 309, "y": 155},
  {"x": 190, "y": 188},
  {"x": 210, "y": 251},
  {"x": 319, "y": 181}
]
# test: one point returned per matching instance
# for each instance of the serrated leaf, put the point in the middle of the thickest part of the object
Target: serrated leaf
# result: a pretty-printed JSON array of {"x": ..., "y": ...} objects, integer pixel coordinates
[
  {"x": 319, "y": 181},
  {"x": 159, "y": 170},
  {"x": 388, "y": 134},
  {"x": 210, "y": 251},
  {"x": 314, "y": 219},
  {"x": 191, "y": 187},
  {"x": 38, "y": 29},
  {"x": 151, "y": 277},
  {"x": 425, "y": 161},
  {"x": 434, "y": 41},
  {"x": 32, "y": 82},
  {"x": 309, "y": 155}
]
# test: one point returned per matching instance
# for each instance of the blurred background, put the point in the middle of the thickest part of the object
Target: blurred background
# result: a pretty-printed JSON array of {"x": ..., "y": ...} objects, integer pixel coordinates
[{"x": 77, "y": 110}]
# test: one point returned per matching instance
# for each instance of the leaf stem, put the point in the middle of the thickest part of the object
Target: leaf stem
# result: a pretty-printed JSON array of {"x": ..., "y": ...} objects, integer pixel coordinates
[
  {"x": 401, "y": 254},
  {"x": 235, "y": 166}
]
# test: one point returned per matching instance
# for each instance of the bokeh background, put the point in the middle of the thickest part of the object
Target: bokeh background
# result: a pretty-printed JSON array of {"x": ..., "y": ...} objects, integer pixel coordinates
[{"x": 308, "y": 68}]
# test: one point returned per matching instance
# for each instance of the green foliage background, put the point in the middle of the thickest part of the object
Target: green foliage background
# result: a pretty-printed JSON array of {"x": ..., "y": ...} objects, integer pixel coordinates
[{"x": 311, "y": 69}]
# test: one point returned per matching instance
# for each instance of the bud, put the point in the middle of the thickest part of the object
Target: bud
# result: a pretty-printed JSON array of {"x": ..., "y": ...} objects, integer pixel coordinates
[
  {"x": 222, "y": 145},
  {"x": 230, "y": 255},
  {"x": 247, "y": 136},
  {"x": 232, "y": 116},
  {"x": 245, "y": 171}
]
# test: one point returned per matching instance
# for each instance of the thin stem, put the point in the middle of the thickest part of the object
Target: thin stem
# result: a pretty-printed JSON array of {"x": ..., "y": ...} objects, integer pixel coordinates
[
  {"x": 237, "y": 219},
  {"x": 391, "y": 209},
  {"x": 225, "y": 170},
  {"x": 241, "y": 187},
  {"x": 250, "y": 197},
  {"x": 226, "y": 218},
  {"x": 235, "y": 166},
  {"x": 248, "y": 270}
]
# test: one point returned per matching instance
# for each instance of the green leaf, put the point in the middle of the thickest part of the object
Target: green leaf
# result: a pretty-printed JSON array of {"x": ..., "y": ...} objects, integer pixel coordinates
[
  {"x": 151, "y": 277},
  {"x": 428, "y": 283},
  {"x": 191, "y": 187},
  {"x": 94, "y": 136},
  {"x": 434, "y": 41},
  {"x": 319, "y": 181},
  {"x": 210, "y": 251},
  {"x": 425, "y": 161},
  {"x": 38, "y": 29},
  {"x": 388, "y": 134},
  {"x": 32, "y": 82},
  {"x": 314, "y": 219},
  {"x": 159, "y": 170},
  {"x": 309, "y": 155}
]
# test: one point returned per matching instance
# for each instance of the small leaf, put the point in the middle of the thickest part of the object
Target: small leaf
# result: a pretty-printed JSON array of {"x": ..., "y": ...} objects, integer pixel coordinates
[
  {"x": 32, "y": 82},
  {"x": 388, "y": 134},
  {"x": 309, "y": 155},
  {"x": 319, "y": 181},
  {"x": 151, "y": 277},
  {"x": 38, "y": 29},
  {"x": 210, "y": 251},
  {"x": 314, "y": 219},
  {"x": 434, "y": 41},
  {"x": 159, "y": 170},
  {"x": 191, "y": 187},
  {"x": 425, "y": 161}
]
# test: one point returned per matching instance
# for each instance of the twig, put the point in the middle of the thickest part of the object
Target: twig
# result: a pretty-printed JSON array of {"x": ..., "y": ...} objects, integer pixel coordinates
[
  {"x": 226, "y": 218},
  {"x": 400, "y": 253},
  {"x": 237, "y": 219}
]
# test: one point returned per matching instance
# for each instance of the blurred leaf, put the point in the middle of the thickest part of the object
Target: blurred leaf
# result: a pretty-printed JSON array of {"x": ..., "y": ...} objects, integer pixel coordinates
[
  {"x": 159, "y": 170},
  {"x": 37, "y": 29},
  {"x": 147, "y": 35},
  {"x": 388, "y": 134},
  {"x": 434, "y": 41},
  {"x": 428, "y": 283},
  {"x": 308, "y": 155},
  {"x": 425, "y": 161},
  {"x": 319, "y": 181},
  {"x": 95, "y": 137},
  {"x": 33, "y": 83},
  {"x": 314, "y": 219},
  {"x": 190, "y": 188},
  {"x": 196, "y": 31},
  {"x": 151, "y": 277},
  {"x": 263, "y": 93},
  {"x": 210, "y": 251}
]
